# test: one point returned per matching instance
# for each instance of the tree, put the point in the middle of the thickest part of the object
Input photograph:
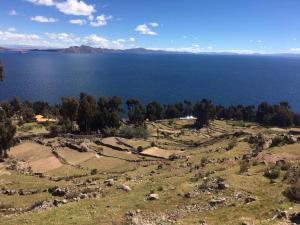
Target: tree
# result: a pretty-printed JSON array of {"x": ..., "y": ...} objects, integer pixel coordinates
[
  {"x": 136, "y": 113},
  {"x": 204, "y": 112},
  {"x": 171, "y": 111},
  {"x": 86, "y": 112},
  {"x": 69, "y": 109},
  {"x": 154, "y": 111},
  {"x": 7, "y": 132},
  {"x": 16, "y": 106},
  {"x": 41, "y": 108},
  {"x": 108, "y": 112}
]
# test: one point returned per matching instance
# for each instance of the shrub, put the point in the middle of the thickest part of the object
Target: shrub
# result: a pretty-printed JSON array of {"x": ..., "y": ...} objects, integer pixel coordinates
[
  {"x": 293, "y": 192},
  {"x": 284, "y": 165},
  {"x": 133, "y": 132},
  {"x": 232, "y": 144},
  {"x": 272, "y": 172},
  {"x": 277, "y": 141},
  {"x": 94, "y": 171},
  {"x": 244, "y": 166},
  {"x": 140, "y": 149},
  {"x": 203, "y": 161},
  {"x": 109, "y": 131}
]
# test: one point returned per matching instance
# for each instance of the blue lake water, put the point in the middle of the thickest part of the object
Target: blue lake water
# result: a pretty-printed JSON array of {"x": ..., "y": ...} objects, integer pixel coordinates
[{"x": 167, "y": 78}]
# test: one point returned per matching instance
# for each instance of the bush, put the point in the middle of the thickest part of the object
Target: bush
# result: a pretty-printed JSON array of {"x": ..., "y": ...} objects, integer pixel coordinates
[
  {"x": 133, "y": 132},
  {"x": 277, "y": 141},
  {"x": 232, "y": 144},
  {"x": 204, "y": 161},
  {"x": 109, "y": 131},
  {"x": 244, "y": 166},
  {"x": 94, "y": 171},
  {"x": 272, "y": 172},
  {"x": 293, "y": 192},
  {"x": 140, "y": 149}
]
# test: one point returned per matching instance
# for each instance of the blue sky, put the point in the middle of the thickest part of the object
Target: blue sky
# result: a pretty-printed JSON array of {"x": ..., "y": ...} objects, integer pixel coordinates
[{"x": 263, "y": 26}]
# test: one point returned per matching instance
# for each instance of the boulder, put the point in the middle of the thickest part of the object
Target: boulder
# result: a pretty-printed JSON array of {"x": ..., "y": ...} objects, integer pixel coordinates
[
  {"x": 250, "y": 199},
  {"x": 153, "y": 197},
  {"x": 217, "y": 201},
  {"x": 59, "y": 192},
  {"x": 125, "y": 187},
  {"x": 109, "y": 182}
]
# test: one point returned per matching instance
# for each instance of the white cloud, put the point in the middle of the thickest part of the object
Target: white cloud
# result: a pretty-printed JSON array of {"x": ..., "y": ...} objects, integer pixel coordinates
[
  {"x": 96, "y": 41},
  {"x": 153, "y": 24},
  {"x": 209, "y": 48},
  {"x": 78, "y": 22},
  {"x": 42, "y": 2},
  {"x": 100, "y": 21},
  {"x": 12, "y": 29},
  {"x": 132, "y": 39},
  {"x": 63, "y": 37},
  {"x": 121, "y": 40},
  {"x": 117, "y": 45},
  {"x": 295, "y": 49},
  {"x": 75, "y": 7},
  {"x": 294, "y": 39},
  {"x": 13, "y": 13},
  {"x": 17, "y": 37},
  {"x": 43, "y": 19},
  {"x": 259, "y": 41},
  {"x": 145, "y": 30},
  {"x": 101, "y": 42},
  {"x": 69, "y": 7}
]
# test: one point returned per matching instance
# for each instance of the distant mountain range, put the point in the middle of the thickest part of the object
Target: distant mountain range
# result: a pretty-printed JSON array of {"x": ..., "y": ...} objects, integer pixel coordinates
[{"x": 84, "y": 49}]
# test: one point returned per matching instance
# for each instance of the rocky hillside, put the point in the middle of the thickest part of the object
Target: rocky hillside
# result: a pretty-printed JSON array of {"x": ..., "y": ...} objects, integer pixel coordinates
[{"x": 227, "y": 173}]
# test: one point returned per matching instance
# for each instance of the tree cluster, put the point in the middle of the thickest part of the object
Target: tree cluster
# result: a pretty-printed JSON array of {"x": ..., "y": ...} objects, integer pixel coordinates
[
  {"x": 92, "y": 115},
  {"x": 7, "y": 132}
]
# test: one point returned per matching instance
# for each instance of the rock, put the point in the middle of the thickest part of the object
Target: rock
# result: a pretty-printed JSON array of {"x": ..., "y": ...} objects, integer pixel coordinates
[
  {"x": 281, "y": 214},
  {"x": 64, "y": 201},
  {"x": 222, "y": 185},
  {"x": 244, "y": 223},
  {"x": 130, "y": 213},
  {"x": 218, "y": 201},
  {"x": 188, "y": 195},
  {"x": 295, "y": 218},
  {"x": 202, "y": 222},
  {"x": 153, "y": 197},
  {"x": 250, "y": 199},
  {"x": 174, "y": 157},
  {"x": 84, "y": 147},
  {"x": 125, "y": 187},
  {"x": 109, "y": 182},
  {"x": 10, "y": 192},
  {"x": 82, "y": 196},
  {"x": 59, "y": 192},
  {"x": 56, "y": 202}
]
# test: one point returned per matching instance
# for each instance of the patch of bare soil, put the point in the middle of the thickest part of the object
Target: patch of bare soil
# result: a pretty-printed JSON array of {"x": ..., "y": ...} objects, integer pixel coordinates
[
  {"x": 45, "y": 165},
  {"x": 158, "y": 152},
  {"x": 38, "y": 157},
  {"x": 273, "y": 158},
  {"x": 74, "y": 157}
]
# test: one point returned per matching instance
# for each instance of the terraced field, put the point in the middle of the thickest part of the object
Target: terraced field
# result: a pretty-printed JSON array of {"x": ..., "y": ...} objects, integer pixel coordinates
[{"x": 216, "y": 175}]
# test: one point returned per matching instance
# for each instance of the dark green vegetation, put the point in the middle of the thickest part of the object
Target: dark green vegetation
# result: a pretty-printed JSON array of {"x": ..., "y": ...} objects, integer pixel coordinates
[
  {"x": 7, "y": 132},
  {"x": 104, "y": 115}
]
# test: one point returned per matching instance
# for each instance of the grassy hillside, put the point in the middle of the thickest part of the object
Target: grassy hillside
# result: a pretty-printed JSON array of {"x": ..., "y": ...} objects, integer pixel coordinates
[{"x": 218, "y": 175}]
